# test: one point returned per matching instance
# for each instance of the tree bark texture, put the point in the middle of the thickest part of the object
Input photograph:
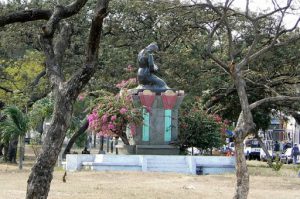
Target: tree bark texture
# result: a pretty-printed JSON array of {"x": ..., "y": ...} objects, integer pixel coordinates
[
  {"x": 21, "y": 151},
  {"x": 237, "y": 66},
  {"x": 242, "y": 175},
  {"x": 5, "y": 152},
  {"x": 65, "y": 93},
  {"x": 1, "y": 149},
  {"x": 12, "y": 150},
  {"x": 38, "y": 184},
  {"x": 244, "y": 126}
]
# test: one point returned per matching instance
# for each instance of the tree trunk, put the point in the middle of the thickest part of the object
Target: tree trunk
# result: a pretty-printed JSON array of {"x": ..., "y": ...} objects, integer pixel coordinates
[
  {"x": 40, "y": 127},
  {"x": 38, "y": 184},
  {"x": 124, "y": 139},
  {"x": 5, "y": 152},
  {"x": 101, "y": 144},
  {"x": 12, "y": 150},
  {"x": 264, "y": 148},
  {"x": 76, "y": 135},
  {"x": 21, "y": 151},
  {"x": 123, "y": 136},
  {"x": 242, "y": 175},
  {"x": 65, "y": 93},
  {"x": 1, "y": 149},
  {"x": 244, "y": 126}
]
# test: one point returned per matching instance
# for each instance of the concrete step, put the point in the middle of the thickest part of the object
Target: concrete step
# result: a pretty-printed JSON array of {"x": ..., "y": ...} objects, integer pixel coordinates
[
  {"x": 167, "y": 161},
  {"x": 175, "y": 170},
  {"x": 116, "y": 168},
  {"x": 174, "y": 165}
]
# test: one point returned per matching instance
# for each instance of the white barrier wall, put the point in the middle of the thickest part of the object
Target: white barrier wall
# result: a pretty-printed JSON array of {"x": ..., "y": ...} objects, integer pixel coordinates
[{"x": 155, "y": 163}]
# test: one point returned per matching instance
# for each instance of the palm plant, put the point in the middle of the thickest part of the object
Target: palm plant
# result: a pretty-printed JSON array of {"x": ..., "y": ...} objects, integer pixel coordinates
[{"x": 13, "y": 126}]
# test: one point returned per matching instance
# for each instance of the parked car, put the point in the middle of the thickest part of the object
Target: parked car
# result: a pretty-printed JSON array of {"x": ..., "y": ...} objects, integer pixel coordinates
[
  {"x": 252, "y": 149},
  {"x": 286, "y": 156}
]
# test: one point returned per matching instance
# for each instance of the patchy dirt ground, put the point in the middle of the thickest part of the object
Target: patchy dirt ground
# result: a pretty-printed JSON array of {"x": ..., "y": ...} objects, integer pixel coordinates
[{"x": 264, "y": 183}]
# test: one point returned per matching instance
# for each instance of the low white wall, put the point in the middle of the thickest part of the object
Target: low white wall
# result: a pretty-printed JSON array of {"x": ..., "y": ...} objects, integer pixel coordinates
[
  {"x": 210, "y": 164},
  {"x": 74, "y": 161}
]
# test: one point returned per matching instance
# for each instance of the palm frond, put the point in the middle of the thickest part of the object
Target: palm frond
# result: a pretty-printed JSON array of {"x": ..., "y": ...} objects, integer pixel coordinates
[{"x": 15, "y": 124}]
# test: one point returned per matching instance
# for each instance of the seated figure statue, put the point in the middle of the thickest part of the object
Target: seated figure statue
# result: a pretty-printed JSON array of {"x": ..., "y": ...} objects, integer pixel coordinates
[{"x": 145, "y": 76}]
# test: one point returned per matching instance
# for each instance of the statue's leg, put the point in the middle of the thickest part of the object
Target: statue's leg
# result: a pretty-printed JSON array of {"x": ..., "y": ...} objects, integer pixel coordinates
[{"x": 158, "y": 82}]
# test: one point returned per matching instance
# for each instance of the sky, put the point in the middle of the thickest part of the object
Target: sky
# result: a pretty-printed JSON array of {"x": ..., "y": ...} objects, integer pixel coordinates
[{"x": 263, "y": 6}]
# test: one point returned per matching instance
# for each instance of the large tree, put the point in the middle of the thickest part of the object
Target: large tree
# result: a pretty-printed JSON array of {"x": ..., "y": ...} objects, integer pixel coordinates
[
  {"x": 223, "y": 35},
  {"x": 65, "y": 91}
]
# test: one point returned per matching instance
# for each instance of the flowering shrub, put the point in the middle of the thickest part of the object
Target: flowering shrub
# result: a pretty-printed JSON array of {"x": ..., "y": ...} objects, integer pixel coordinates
[
  {"x": 113, "y": 114},
  {"x": 130, "y": 83},
  {"x": 199, "y": 129}
]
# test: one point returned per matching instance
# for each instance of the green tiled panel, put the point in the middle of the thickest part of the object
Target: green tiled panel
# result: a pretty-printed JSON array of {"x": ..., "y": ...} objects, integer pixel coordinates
[
  {"x": 146, "y": 125},
  {"x": 168, "y": 123}
]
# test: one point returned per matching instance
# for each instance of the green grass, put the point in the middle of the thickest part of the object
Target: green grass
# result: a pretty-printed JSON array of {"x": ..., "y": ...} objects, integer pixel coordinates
[{"x": 257, "y": 168}]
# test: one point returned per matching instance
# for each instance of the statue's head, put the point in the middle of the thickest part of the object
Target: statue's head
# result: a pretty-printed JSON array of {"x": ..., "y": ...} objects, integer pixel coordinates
[{"x": 152, "y": 47}]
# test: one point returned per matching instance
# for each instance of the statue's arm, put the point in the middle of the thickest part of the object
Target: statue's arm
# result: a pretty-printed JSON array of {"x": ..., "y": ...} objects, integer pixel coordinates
[{"x": 153, "y": 67}]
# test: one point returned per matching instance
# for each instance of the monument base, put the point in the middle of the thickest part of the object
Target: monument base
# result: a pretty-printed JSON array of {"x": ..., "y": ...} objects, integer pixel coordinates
[
  {"x": 126, "y": 149},
  {"x": 147, "y": 150},
  {"x": 157, "y": 150}
]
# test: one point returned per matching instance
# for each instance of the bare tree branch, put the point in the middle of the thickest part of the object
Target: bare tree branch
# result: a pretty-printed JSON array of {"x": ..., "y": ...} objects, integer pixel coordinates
[
  {"x": 211, "y": 34},
  {"x": 37, "y": 78},
  {"x": 63, "y": 41},
  {"x": 53, "y": 70},
  {"x": 263, "y": 85},
  {"x": 247, "y": 8},
  {"x": 270, "y": 13},
  {"x": 61, "y": 12},
  {"x": 220, "y": 63},
  {"x": 25, "y": 16},
  {"x": 35, "y": 98},
  {"x": 81, "y": 78},
  {"x": 229, "y": 31},
  {"x": 273, "y": 99},
  {"x": 52, "y": 62},
  {"x": 250, "y": 55}
]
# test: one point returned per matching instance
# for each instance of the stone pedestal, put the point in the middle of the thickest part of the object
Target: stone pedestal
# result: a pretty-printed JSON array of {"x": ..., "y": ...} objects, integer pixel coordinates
[{"x": 160, "y": 126}]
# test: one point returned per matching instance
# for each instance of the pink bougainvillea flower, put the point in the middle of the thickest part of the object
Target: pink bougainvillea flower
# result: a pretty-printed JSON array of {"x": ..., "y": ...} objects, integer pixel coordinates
[
  {"x": 100, "y": 133},
  {"x": 226, "y": 122},
  {"x": 121, "y": 84},
  {"x": 81, "y": 96},
  {"x": 104, "y": 128},
  {"x": 132, "y": 129},
  {"x": 111, "y": 126},
  {"x": 113, "y": 118},
  {"x": 104, "y": 118},
  {"x": 217, "y": 118},
  {"x": 123, "y": 110},
  {"x": 93, "y": 119}
]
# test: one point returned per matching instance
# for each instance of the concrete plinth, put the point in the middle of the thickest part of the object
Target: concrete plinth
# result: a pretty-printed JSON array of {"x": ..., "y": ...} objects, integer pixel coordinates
[
  {"x": 160, "y": 127},
  {"x": 157, "y": 150}
]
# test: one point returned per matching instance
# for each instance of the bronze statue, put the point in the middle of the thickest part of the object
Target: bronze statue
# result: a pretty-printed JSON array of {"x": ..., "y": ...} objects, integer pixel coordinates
[{"x": 147, "y": 67}]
